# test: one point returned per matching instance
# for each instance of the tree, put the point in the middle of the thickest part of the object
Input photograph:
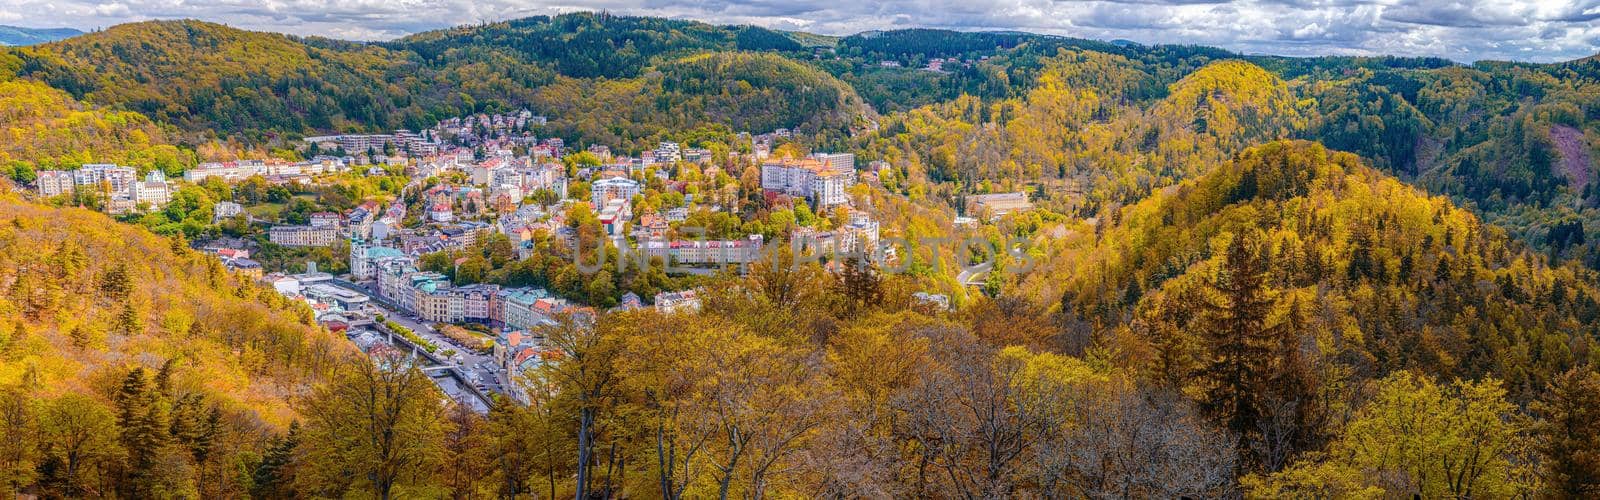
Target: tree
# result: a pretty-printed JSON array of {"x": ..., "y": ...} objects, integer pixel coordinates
[
  {"x": 81, "y": 439},
  {"x": 1416, "y": 438},
  {"x": 142, "y": 418},
  {"x": 1568, "y": 434},
  {"x": 585, "y": 372},
  {"x": 961, "y": 419},
  {"x": 19, "y": 444},
  {"x": 755, "y": 403},
  {"x": 510, "y": 448},
  {"x": 129, "y": 320},
  {"x": 1249, "y": 360},
  {"x": 657, "y": 381},
  {"x": 376, "y": 425},
  {"x": 1101, "y": 436},
  {"x": 115, "y": 283},
  {"x": 859, "y": 283},
  {"x": 466, "y": 452},
  {"x": 274, "y": 477}
]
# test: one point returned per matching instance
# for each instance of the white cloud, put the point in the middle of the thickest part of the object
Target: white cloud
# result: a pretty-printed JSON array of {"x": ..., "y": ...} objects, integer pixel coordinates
[{"x": 1535, "y": 30}]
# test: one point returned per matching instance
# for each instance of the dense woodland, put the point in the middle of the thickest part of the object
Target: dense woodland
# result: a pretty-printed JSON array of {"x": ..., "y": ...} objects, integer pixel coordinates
[{"x": 1252, "y": 276}]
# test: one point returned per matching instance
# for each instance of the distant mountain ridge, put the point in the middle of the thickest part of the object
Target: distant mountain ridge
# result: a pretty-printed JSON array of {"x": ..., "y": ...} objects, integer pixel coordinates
[{"x": 17, "y": 35}]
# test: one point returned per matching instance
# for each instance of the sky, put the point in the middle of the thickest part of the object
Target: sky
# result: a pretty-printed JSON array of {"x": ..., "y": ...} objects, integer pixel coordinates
[{"x": 1522, "y": 30}]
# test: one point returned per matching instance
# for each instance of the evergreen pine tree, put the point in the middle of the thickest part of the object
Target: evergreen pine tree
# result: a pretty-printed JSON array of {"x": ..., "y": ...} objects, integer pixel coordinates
[
  {"x": 860, "y": 285},
  {"x": 115, "y": 283},
  {"x": 1568, "y": 434},
  {"x": 143, "y": 423},
  {"x": 274, "y": 478},
  {"x": 1241, "y": 345}
]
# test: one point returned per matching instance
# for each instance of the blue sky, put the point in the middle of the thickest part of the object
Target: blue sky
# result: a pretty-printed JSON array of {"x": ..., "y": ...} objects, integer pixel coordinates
[{"x": 1525, "y": 30}]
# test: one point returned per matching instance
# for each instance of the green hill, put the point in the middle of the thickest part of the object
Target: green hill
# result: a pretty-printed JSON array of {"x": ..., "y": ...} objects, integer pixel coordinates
[
  {"x": 209, "y": 80},
  {"x": 590, "y": 45},
  {"x": 1397, "y": 279},
  {"x": 203, "y": 77},
  {"x": 47, "y": 129}
]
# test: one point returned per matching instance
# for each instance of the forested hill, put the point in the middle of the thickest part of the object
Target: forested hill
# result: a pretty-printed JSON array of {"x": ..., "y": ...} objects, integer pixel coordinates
[
  {"x": 87, "y": 299},
  {"x": 590, "y": 46},
  {"x": 1516, "y": 143},
  {"x": 207, "y": 79},
  {"x": 201, "y": 76},
  {"x": 1375, "y": 274},
  {"x": 47, "y": 129}
]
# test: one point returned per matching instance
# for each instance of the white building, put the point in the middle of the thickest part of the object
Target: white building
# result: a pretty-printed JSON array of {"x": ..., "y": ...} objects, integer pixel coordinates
[
  {"x": 52, "y": 183},
  {"x": 225, "y": 210},
  {"x": 102, "y": 178},
  {"x": 119, "y": 179},
  {"x": 810, "y": 179},
  {"x": 303, "y": 236},
  {"x": 154, "y": 190},
  {"x": 839, "y": 162},
  {"x": 615, "y": 188}
]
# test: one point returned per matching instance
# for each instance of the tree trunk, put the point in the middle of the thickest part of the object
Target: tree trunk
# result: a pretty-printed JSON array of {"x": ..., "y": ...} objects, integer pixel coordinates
[
  {"x": 665, "y": 462},
  {"x": 585, "y": 419}
]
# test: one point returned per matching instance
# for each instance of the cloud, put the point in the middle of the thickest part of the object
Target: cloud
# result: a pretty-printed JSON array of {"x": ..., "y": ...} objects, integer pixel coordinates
[{"x": 1465, "y": 30}]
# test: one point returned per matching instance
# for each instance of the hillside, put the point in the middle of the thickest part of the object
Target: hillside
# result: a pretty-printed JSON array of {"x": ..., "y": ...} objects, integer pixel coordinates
[
  {"x": 1514, "y": 142},
  {"x": 1218, "y": 300},
  {"x": 46, "y": 129},
  {"x": 123, "y": 353},
  {"x": 587, "y": 45},
  {"x": 203, "y": 76},
  {"x": 210, "y": 80},
  {"x": 1089, "y": 124},
  {"x": 17, "y": 35},
  {"x": 88, "y": 298},
  {"x": 1386, "y": 276}
]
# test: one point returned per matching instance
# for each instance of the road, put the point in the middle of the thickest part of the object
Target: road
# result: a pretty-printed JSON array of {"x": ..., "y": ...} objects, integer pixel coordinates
[
  {"x": 974, "y": 275},
  {"x": 480, "y": 368}
]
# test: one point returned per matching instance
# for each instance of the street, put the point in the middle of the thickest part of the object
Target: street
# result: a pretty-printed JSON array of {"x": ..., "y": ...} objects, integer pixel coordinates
[{"x": 481, "y": 369}]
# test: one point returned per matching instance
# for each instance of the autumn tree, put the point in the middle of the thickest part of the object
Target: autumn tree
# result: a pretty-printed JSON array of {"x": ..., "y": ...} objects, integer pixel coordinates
[
  {"x": 585, "y": 372},
  {"x": 466, "y": 453},
  {"x": 757, "y": 405},
  {"x": 19, "y": 445},
  {"x": 375, "y": 425},
  {"x": 962, "y": 420},
  {"x": 1418, "y": 438},
  {"x": 1098, "y": 435},
  {"x": 81, "y": 441}
]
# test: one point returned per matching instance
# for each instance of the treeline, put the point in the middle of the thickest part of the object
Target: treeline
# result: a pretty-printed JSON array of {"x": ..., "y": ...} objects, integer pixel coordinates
[
  {"x": 234, "y": 81},
  {"x": 750, "y": 92},
  {"x": 1293, "y": 324},
  {"x": 270, "y": 88},
  {"x": 593, "y": 45},
  {"x": 1087, "y": 137},
  {"x": 1396, "y": 279}
]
